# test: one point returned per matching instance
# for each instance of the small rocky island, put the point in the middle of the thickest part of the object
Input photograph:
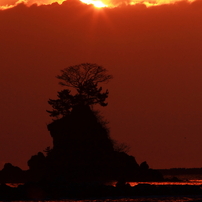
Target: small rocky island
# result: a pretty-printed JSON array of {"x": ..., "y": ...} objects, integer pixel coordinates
[{"x": 84, "y": 160}]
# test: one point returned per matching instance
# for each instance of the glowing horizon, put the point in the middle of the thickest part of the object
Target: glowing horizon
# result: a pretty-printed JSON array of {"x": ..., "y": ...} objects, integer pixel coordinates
[{"x": 95, "y": 3}]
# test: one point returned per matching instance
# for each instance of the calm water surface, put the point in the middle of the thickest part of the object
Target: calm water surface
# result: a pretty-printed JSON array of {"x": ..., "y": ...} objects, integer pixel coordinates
[
  {"x": 151, "y": 199},
  {"x": 190, "y": 182}
]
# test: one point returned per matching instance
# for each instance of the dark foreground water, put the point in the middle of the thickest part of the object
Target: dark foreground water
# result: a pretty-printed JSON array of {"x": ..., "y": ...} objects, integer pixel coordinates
[
  {"x": 187, "y": 180},
  {"x": 142, "y": 199},
  {"x": 150, "y": 199}
]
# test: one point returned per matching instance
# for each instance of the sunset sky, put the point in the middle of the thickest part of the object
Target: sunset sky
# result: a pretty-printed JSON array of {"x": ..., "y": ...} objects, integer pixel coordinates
[{"x": 153, "y": 50}]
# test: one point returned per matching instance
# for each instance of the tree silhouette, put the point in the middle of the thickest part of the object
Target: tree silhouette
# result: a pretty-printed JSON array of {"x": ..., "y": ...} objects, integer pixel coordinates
[
  {"x": 84, "y": 78},
  {"x": 77, "y": 75},
  {"x": 82, "y": 147}
]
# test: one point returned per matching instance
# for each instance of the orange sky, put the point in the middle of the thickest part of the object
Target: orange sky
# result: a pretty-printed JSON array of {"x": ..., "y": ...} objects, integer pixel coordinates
[
  {"x": 4, "y": 4},
  {"x": 154, "y": 54}
]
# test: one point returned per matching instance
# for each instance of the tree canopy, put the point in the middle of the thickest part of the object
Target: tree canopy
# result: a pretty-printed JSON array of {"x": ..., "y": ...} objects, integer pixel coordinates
[
  {"x": 78, "y": 75},
  {"x": 84, "y": 78}
]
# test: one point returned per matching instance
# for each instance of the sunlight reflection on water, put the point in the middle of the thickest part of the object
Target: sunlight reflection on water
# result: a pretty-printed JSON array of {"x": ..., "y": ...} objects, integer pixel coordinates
[
  {"x": 140, "y": 199},
  {"x": 190, "y": 182}
]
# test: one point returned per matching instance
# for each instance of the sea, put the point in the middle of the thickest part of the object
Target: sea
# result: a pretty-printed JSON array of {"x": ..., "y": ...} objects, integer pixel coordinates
[
  {"x": 186, "y": 180},
  {"x": 138, "y": 199}
]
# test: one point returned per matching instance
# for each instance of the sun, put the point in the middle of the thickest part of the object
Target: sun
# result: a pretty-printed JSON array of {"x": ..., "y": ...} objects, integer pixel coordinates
[{"x": 95, "y": 3}]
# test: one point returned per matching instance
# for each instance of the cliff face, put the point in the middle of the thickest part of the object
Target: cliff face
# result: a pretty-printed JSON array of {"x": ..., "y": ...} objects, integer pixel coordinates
[
  {"x": 80, "y": 131},
  {"x": 81, "y": 144}
]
